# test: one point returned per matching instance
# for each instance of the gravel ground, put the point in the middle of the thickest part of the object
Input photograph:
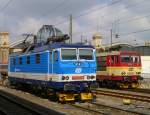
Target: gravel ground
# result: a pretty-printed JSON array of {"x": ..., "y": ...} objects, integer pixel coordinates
[
  {"x": 145, "y": 83},
  {"x": 138, "y": 106}
]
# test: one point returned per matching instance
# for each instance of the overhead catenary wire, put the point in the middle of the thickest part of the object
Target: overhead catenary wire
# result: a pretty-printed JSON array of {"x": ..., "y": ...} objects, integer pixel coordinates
[
  {"x": 5, "y": 6},
  {"x": 119, "y": 22},
  {"x": 98, "y": 9},
  {"x": 90, "y": 11},
  {"x": 128, "y": 20},
  {"x": 135, "y": 32},
  {"x": 54, "y": 8}
]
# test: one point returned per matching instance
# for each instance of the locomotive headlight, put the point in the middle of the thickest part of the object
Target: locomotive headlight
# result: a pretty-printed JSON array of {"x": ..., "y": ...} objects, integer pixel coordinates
[
  {"x": 123, "y": 73},
  {"x": 88, "y": 77},
  {"x": 92, "y": 77},
  {"x": 138, "y": 73},
  {"x": 65, "y": 77}
]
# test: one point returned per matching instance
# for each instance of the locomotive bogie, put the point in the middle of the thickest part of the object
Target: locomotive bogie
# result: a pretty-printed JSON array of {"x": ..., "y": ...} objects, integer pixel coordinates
[{"x": 73, "y": 97}]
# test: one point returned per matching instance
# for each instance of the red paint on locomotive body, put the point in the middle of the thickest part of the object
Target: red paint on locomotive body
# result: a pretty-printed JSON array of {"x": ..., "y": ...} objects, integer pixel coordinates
[{"x": 123, "y": 67}]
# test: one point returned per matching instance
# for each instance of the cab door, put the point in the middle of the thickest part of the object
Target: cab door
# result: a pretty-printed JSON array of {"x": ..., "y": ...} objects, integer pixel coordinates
[{"x": 55, "y": 62}]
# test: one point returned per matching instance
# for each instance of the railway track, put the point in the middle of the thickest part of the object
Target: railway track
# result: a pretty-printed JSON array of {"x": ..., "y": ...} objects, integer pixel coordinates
[
  {"x": 89, "y": 109},
  {"x": 102, "y": 109},
  {"x": 127, "y": 95},
  {"x": 113, "y": 108},
  {"x": 2, "y": 112},
  {"x": 14, "y": 105},
  {"x": 146, "y": 91}
]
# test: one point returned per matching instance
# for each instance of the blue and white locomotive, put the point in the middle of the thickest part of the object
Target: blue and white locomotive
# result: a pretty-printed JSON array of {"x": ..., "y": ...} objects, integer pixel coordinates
[{"x": 68, "y": 70}]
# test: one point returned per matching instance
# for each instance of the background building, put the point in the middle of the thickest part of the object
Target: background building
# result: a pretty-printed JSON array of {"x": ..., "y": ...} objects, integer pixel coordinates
[
  {"x": 97, "y": 41},
  {"x": 4, "y": 47}
]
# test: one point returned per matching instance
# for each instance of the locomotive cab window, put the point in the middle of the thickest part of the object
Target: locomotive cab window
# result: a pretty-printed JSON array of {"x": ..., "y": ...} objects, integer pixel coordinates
[
  {"x": 136, "y": 59},
  {"x": 112, "y": 60},
  {"x": 117, "y": 59},
  {"x": 126, "y": 59},
  {"x": 37, "y": 58},
  {"x": 86, "y": 54},
  {"x": 68, "y": 54}
]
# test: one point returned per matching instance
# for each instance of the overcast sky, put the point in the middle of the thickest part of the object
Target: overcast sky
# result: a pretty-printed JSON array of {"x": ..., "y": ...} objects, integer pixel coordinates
[{"x": 128, "y": 18}]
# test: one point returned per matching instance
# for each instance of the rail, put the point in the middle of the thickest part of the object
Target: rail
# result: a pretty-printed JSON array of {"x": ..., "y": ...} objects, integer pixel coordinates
[
  {"x": 136, "y": 97},
  {"x": 88, "y": 109}
]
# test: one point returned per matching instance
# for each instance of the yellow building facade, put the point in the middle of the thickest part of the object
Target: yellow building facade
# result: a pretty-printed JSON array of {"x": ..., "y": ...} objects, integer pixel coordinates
[{"x": 4, "y": 47}]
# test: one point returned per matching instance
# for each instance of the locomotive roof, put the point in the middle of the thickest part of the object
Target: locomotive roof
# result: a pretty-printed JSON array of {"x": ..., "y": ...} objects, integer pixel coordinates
[
  {"x": 61, "y": 45},
  {"x": 118, "y": 53},
  {"x": 41, "y": 48}
]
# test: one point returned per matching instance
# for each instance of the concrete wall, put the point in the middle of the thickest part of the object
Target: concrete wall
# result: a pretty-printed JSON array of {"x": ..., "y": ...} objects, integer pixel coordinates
[{"x": 145, "y": 66}]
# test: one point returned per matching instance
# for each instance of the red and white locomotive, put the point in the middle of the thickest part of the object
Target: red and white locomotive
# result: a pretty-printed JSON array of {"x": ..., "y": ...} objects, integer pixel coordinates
[{"x": 119, "y": 69}]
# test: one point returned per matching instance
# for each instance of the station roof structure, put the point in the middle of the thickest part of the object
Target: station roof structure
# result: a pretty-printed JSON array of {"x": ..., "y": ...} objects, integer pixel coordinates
[{"x": 17, "y": 44}]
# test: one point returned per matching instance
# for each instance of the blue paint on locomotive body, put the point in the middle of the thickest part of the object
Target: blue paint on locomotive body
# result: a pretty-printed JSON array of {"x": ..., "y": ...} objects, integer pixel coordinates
[{"x": 55, "y": 66}]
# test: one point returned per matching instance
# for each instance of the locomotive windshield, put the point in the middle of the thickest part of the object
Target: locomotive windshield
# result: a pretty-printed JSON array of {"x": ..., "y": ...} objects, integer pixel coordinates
[
  {"x": 126, "y": 59},
  {"x": 86, "y": 54},
  {"x": 68, "y": 54},
  {"x": 136, "y": 59},
  {"x": 133, "y": 59},
  {"x": 71, "y": 54}
]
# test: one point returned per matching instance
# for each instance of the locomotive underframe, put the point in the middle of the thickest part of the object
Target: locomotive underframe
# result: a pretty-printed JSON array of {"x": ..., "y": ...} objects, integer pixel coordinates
[
  {"x": 118, "y": 81},
  {"x": 61, "y": 94}
]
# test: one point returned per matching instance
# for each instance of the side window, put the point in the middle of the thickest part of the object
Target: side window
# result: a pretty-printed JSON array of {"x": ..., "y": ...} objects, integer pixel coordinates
[
  {"x": 56, "y": 56},
  {"x": 14, "y": 61},
  {"x": 20, "y": 60},
  {"x": 112, "y": 60},
  {"x": 117, "y": 59},
  {"x": 28, "y": 60},
  {"x": 37, "y": 58}
]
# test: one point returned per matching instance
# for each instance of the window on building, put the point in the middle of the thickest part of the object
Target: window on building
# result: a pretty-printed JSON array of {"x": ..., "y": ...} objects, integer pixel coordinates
[
  {"x": 28, "y": 60},
  {"x": 20, "y": 60},
  {"x": 37, "y": 58}
]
